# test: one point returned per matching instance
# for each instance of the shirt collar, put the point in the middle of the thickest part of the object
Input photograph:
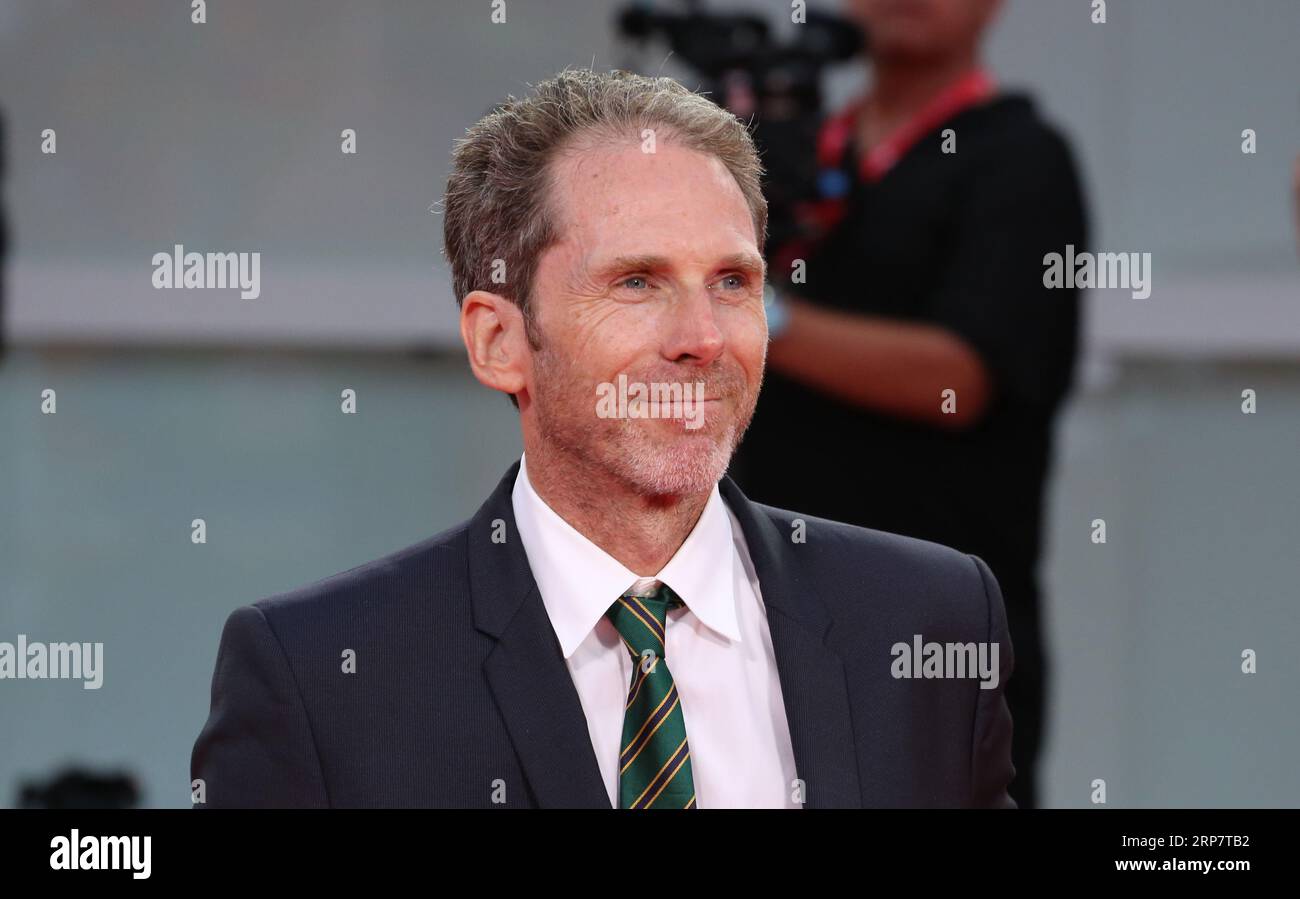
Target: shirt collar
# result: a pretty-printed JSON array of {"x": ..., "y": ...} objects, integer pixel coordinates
[{"x": 579, "y": 581}]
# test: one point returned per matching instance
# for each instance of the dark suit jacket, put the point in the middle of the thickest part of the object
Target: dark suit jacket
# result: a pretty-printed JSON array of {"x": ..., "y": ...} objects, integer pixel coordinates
[{"x": 460, "y": 685}]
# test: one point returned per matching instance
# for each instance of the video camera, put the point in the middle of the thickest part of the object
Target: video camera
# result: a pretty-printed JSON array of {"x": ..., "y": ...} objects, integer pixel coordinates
[{"x": 747, "y": 71}]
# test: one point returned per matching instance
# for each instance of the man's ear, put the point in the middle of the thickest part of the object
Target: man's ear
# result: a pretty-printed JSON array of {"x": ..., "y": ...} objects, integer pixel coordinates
[{"x": 492, "y": 328}]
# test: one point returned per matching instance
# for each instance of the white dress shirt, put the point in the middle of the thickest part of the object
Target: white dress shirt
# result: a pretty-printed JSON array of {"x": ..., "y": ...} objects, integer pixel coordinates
[{"x": 717, "y": 647}]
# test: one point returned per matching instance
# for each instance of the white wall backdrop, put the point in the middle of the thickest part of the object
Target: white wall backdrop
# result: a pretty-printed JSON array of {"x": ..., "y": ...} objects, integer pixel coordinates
[{"x": 226, "y": 136}]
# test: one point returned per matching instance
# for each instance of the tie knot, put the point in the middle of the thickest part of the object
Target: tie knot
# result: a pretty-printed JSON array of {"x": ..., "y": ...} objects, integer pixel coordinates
[{"x": 641, "y": 620}]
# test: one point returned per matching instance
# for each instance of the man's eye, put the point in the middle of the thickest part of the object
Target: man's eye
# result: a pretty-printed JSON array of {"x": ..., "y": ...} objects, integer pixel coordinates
[
  {"x": 739, "y": 279},
  {"x": 632, "y": 278}
]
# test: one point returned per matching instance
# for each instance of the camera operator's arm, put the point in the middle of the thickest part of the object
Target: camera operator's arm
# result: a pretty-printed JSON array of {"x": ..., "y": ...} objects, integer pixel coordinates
[{"x": 886, "y": 365}]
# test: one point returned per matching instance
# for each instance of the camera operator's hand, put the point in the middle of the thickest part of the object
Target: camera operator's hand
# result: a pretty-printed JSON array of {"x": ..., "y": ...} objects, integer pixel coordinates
[{"x": 778, "y": 311}]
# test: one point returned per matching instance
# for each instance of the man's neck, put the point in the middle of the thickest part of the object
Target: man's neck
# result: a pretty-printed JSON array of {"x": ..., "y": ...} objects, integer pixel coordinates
[
  {"x": 901, "y": 88},
  {"x": 642, "y": 533}
]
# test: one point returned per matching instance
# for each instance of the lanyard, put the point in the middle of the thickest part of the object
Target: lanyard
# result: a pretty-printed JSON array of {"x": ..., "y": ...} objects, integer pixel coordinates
[
  {"x": 833, "y": 138},
  {"x": 970, "y": 89}
]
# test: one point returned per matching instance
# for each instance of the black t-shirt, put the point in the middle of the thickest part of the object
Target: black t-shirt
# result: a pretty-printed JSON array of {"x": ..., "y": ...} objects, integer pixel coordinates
[{"x": 956, "y": 240}]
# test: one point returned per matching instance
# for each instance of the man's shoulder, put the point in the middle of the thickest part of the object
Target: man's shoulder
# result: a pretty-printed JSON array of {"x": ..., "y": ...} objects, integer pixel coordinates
[
  {"x": 1013, "y": 135},
  {"x": 399, "y": 575},
  {"x": 863, "y": 574},
  {"x": 839, "y": 544}
]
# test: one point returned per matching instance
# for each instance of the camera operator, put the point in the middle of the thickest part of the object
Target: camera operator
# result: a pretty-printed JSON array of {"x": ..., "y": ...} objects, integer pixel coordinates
[{"x": 914, "y": 374}]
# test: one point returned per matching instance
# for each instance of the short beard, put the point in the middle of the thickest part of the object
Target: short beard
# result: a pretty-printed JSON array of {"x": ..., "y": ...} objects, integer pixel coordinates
[{"x": 690, "y": 463}]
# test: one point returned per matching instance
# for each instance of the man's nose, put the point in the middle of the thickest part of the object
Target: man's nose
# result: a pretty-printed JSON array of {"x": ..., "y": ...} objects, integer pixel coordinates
[{"x": 693, "y": 332}]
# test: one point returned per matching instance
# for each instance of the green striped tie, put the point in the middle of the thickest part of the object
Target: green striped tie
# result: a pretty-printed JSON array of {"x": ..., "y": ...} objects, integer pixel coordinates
[{"x": 655, "y": 762}]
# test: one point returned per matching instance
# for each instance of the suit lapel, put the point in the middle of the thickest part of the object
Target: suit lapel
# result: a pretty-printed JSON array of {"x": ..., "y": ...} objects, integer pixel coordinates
[
  {"x": 813, "y": 683},
  {"x": 526, "y": 671},
  {"x": 539, "y": 702}
]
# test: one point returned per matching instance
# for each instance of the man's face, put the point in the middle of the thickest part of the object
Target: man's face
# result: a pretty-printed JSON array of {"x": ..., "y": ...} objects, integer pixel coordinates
[
  {"x": 921, "y": 29},
  {"x": 657, "y": 277}
]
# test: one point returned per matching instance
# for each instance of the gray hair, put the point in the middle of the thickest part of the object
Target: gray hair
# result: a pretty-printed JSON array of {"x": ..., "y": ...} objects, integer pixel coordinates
[{"x": 496, "y": 206}]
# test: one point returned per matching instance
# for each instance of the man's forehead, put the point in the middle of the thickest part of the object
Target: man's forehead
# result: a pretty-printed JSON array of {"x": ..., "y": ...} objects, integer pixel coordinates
[
  {"x": 715, "y": 245},
  {"x": 726, "y": 256},
  {"x": 622, "y": 182},
  {"x": 635, "y": 222}
]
